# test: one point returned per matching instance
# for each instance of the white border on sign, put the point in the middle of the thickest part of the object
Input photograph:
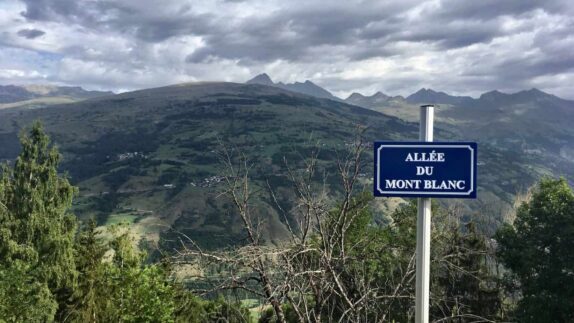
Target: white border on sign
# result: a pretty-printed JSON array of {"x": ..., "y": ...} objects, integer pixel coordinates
[{"x": 422, "y": 192}]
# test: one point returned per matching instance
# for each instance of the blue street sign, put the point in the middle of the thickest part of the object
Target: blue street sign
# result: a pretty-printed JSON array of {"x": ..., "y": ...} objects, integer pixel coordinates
[{"x": 425, "y": 169}]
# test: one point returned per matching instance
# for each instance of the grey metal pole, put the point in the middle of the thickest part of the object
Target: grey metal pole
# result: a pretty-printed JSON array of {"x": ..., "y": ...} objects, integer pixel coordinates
[{"x": 424, "y": 230}]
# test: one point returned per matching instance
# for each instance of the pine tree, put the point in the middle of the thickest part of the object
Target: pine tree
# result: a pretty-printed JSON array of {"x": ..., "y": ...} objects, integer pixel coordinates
[
  {"x": 36, "y": 228},
  {"x": 48, "y": 273},
  {"x": 87, "y": 298}
]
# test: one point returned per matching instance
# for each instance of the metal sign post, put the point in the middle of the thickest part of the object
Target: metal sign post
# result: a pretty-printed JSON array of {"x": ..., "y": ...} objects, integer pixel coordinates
[
  {"x": 424, "y": 230},
  {"x": 425, "y": 169}
]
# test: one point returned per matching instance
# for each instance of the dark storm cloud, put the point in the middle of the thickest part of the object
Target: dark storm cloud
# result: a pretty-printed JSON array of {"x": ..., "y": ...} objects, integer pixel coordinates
[
  {"x": 550, "y": 53},
  {"x": 279, "y": 36},
  {"x": 156, "y": 30},
  {"x": 286, "y": 34},
  {"x": 364, "y": 31},
  {"x": 515, "y": 72},
  {"x": 451, "y": 34},
  {"x": 46, "y": 10},
  {"x": 335, "y": 33},
  {"x": 487, "y": 9},
  {"x": 139, "y": 20},
  {"x": 291, "y": 33},
  {"x": 30, "y": 33}
]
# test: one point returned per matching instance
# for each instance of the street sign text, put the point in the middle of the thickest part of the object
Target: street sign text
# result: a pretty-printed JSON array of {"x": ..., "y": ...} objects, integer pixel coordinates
[{"x": 425, "y": 169}]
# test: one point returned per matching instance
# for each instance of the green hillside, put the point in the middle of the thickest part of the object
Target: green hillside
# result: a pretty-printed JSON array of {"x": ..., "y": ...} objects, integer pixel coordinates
[{"x": 150, "y": 156}]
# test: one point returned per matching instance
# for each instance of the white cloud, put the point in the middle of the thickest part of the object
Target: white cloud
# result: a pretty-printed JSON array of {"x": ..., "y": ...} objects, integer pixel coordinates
[{"x": 395, "y": 46}]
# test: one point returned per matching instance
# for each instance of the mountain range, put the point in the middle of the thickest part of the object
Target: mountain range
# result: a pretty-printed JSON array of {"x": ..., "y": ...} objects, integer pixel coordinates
[
  {"x": 150, "y": 156},
  {"x": 429, "y": 96},
  {"x": 41, "y": 95},
  {"x": 306, "y": 87},
  {"x": 535, "y": 121},
  {"x": 422, "y": 96},
  {"x": 36, "y": 95},
  {"x": 374, "y": 100}
]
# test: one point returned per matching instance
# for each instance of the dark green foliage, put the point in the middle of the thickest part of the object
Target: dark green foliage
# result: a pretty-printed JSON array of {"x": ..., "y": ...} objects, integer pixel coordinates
[
  {"x": 466, "y": 283},
  {"x": 121, "y": 288},
  {"x": 105, "y": 204},
  {"x": 48, "y": 273},
  {"x": 9, "y": 147},
  {"x": 36, "y": 230},
  {"x": 284, "y": 99},
  {"x": 172, "y": 176},
  {"x": 117, "y": 178},
  {"x": 202, "y": 159},
  {"x": 386, "y": 254},
  {"x": 538, "y": 251},
  {"x": 221, "y": 310},
  {"x": 268, "y": 316},
  {"x": 463, "y": 285},
  {"x": 93, "y": 158},
  {"x": 23, "y": 297},
  {"x": 238, "y": 101},
  {"x": 113, "y": 143},
  {"x": 89, "y": 251}
]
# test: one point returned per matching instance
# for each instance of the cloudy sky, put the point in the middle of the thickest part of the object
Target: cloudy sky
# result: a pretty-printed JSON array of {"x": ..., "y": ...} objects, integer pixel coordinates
[{"x": 461, "y": 47}]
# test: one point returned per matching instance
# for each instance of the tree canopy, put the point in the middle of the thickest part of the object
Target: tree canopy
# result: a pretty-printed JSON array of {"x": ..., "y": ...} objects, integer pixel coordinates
[
  {"x": 339, "y": 262},
  {"x": 537, "y": 249},
  {"x": 51, "y": 272},
  {"x": 36, "y": 231}
]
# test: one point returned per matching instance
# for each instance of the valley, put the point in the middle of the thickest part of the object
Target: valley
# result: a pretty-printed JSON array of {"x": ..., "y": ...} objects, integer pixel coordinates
[{"x": 153, "y": 157}]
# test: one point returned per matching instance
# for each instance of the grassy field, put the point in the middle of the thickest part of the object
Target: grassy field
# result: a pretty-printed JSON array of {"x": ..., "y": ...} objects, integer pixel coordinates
[{"x": 116, "y": 218}]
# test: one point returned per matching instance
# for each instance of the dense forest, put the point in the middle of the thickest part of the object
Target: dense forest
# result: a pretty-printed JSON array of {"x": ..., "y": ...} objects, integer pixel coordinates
[{"x": 340, "y": 262}]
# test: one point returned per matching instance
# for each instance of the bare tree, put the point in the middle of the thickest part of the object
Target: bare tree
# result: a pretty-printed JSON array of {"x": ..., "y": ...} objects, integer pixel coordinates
[
  {"x": 322, "y": 271},
  {"x": 309, "y": 272}
]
